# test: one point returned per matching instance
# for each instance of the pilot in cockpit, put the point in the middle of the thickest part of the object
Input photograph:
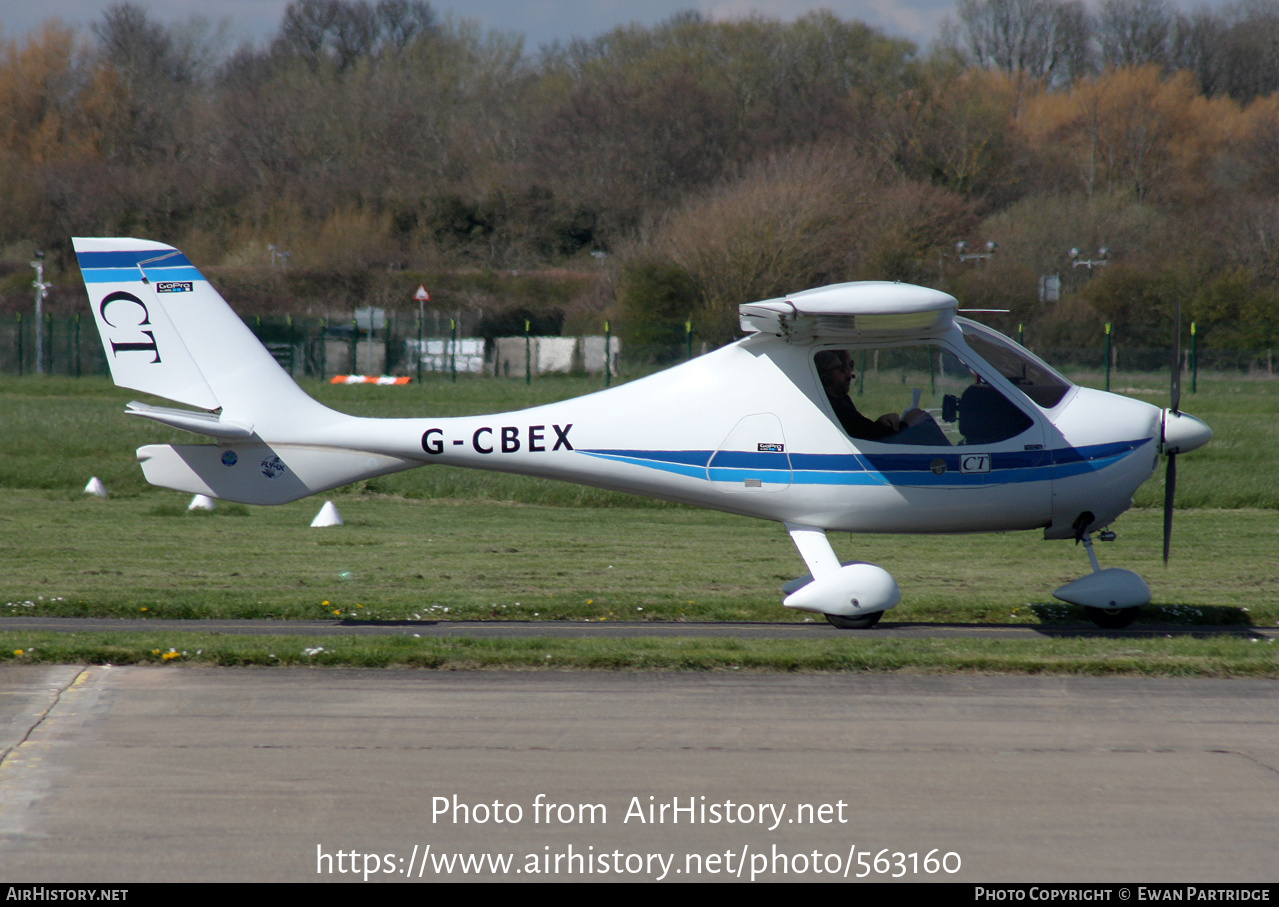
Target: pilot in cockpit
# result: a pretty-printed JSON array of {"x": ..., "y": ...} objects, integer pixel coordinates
[{"x": 835, "y": 369}]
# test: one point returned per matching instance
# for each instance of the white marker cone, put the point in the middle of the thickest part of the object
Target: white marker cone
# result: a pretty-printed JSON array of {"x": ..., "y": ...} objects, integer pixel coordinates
[
  {"x": 328, "y": 516},
  {"x": 202, "y": 502},
  {"x": 95, "y": 487}
]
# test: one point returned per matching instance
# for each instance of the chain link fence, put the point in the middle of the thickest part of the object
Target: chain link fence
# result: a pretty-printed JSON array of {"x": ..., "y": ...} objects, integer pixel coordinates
[{"x": 320, "y": 348}]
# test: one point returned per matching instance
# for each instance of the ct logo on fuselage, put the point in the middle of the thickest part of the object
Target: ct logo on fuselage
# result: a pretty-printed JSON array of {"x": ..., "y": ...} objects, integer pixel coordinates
[
  {"x": 507, "y": 439},
  {"x": 129, "y": 312},
  {"x": 969, "y": 463}
]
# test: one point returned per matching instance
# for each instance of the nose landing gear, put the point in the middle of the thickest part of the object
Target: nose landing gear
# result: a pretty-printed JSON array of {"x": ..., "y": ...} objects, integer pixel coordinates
[{"x": 1111, "y": 598}]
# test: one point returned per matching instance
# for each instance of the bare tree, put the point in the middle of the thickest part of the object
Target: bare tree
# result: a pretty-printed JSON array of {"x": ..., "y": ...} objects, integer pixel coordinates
[
  {"x": 1234, "y": 51},
  {"x": 1135, "y": 32},
  {"x": 158, "y": 73},
  {"x": 1198, "y": 45},
  {"x": 138, "y": 48},
  {"x": 1251, "y": 52},
  {"x": 404, "y": 21},
  {"x": 343, "y": 32},
  {"x": 306, "y": 29},
  {"x": 1041, "y": 38},
  {"x": 356, "y": 30}
]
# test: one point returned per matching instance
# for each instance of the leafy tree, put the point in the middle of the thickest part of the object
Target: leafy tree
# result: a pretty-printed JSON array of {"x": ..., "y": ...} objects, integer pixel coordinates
[
  {"x": 957, "y": 131},
  {"x": 656, "y": 296},
  {"x": 48, "y": 98},
  {"x": 1135, "y": 129},
  {"x": 1238, "y": 311},
  {"x": 813, "y": 216}
]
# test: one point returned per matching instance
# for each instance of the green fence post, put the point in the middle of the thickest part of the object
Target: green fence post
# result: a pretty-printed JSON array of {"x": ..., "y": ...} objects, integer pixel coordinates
[
  {"x": 355, "y": 346},
  {"x": 688, "y": 340},
  {"x": 421, "y": 350},
  {"x": 324, "y": 349},
  {"x": 1107, "y": 357},
  {"x": 48, "y": 343},
  {"x": 608, "y": 358},
  {"x": 528, "y": 353},
  {"x": 1194, "y": 361},
  {"x": 453, "y": 350}
]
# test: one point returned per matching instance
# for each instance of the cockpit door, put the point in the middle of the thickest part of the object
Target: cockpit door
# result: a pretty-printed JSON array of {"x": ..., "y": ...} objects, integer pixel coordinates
[{"x": 753, "y": 458}]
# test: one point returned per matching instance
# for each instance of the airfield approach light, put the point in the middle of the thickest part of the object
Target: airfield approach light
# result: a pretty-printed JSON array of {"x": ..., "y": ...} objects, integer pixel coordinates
[
  {"x": 961, "y": 249},
  {"x": 1077, "y": 259}
]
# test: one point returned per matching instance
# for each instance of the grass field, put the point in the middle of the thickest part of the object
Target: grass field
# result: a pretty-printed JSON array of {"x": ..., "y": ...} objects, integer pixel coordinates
[
  {"x": 59, "y": 431},
  {"x": 439, "y": 543}
]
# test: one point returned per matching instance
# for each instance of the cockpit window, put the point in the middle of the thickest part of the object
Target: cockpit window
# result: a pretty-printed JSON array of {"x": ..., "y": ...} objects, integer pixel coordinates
[
  {"x": 1032, "y": 376},
  {"x": 921, "y": 395}
]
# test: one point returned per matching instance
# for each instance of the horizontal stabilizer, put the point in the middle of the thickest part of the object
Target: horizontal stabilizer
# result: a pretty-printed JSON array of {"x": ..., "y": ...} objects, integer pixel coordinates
[
  {"x": 258, "y": 473},
  {"x": 188, "y": 420}
]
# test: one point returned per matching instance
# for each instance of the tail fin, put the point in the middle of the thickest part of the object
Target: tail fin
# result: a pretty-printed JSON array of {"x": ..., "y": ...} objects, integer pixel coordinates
[{"x": 167, "y": 332}]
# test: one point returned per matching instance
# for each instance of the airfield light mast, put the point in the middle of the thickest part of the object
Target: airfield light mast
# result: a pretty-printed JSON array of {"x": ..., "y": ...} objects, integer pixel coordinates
[{"x": 42, "y": 290}]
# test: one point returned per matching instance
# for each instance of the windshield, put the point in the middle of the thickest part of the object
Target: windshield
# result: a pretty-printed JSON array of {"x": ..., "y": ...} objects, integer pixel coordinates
[
  {"x": 1034, "y": 377},
  {"x": 915, "y": 394}
]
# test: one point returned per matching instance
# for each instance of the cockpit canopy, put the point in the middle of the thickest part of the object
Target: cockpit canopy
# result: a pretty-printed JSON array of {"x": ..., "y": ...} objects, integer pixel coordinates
[
  {"x": 1031, "y": 375},
  {"x": 928, "y": 393},
  {"x": 898, "y": 339}
]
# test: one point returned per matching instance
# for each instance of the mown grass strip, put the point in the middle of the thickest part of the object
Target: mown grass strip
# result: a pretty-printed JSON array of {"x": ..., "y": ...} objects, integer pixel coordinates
[
  {"x": 1184, "y": 656},
  {"x": 146, "y": 557}
]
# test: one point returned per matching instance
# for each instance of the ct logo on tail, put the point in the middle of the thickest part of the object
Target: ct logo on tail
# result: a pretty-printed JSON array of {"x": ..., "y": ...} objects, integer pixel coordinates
[{"x": 145, "y": 319}]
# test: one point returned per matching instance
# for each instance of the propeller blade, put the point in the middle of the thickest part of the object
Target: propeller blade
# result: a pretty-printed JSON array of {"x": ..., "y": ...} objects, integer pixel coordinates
[
  {"x": 1170, "y": 477},
  {"x": 1176, "y": 361}
]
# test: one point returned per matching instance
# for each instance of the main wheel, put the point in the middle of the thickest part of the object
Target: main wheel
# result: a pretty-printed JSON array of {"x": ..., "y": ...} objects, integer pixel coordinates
[
  {"x": 860, "y": 622},
  {"x": 1112, "y": 619}
]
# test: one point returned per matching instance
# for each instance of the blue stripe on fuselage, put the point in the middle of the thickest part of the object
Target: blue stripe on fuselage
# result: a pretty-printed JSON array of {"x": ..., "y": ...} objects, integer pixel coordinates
[{"x": 875, "y": 469}]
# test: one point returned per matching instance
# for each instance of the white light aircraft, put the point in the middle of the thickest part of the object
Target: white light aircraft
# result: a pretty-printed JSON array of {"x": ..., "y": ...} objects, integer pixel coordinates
[{"x": 993, "y": 439}]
